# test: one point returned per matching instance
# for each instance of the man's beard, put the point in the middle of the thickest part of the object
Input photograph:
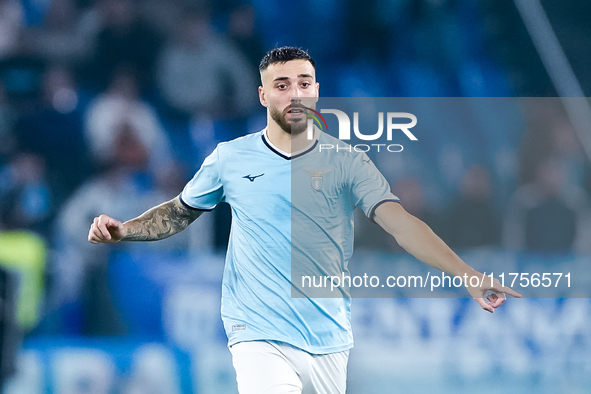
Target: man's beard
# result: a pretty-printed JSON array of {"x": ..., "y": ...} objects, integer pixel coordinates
[{"x": 294, "y": 127}]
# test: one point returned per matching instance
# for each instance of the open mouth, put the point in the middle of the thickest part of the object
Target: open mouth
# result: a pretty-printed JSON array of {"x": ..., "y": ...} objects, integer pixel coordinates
[{"x": 296, "y": 110}]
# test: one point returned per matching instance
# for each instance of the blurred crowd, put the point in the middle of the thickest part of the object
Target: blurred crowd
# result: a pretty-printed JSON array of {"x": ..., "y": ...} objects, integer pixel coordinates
[{"x": 109, "y": 106}]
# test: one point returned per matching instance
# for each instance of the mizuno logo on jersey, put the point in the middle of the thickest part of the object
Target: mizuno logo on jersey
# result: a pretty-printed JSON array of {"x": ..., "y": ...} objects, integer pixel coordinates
[{"x": 252, "y": 178}]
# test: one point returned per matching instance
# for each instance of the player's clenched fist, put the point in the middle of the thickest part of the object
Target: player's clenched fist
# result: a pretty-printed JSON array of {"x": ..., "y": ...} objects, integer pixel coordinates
[{"x": 105, "y": 230}]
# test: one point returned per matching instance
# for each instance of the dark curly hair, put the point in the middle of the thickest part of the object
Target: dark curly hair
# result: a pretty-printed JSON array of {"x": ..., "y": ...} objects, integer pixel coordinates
[{"x": 283, "y": 55}]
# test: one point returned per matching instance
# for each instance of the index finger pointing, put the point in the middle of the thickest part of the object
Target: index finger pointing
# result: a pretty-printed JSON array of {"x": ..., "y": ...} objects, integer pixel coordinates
[{"x": 510, "y": 291}]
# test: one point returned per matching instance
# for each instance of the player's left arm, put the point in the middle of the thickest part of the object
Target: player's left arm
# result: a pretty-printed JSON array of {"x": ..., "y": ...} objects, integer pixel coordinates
[{"x": 418, "y": 239}]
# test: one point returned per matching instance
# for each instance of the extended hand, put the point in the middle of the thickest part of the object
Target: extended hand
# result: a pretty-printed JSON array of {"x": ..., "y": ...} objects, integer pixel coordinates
[
  {"x": 105, "y": 230},
  {"x": 496, "y": 298}
]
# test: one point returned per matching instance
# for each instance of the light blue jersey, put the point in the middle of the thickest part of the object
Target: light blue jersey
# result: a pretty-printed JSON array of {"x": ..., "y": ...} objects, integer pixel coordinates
[{"x": 257, "y": 180}]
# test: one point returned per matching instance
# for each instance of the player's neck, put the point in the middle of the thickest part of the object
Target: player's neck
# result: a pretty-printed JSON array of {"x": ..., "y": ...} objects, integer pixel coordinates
[{"x": 285, "y": 141}]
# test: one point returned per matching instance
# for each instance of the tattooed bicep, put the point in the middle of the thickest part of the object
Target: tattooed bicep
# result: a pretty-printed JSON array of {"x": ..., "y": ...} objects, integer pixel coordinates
[{"x": 184, "y": 210}]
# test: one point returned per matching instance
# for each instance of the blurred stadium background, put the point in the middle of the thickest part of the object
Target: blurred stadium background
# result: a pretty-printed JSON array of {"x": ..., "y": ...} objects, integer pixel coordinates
[{"x": 110, "y": 106}]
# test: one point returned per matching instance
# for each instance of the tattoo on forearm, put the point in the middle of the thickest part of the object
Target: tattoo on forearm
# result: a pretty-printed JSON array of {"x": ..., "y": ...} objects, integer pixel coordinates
[{"x": 161, "y": 222}]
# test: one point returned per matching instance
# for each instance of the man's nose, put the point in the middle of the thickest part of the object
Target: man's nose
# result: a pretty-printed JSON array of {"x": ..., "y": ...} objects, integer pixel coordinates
[{"x": 296, "y": 94}]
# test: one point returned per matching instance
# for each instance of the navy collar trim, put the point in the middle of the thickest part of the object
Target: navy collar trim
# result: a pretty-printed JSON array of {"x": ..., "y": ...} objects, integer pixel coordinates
[{"x": 278, "y": 153}]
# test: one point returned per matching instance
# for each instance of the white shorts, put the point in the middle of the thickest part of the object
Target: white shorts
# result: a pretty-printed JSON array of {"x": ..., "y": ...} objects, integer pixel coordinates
[{"x": 267, "y": 367}]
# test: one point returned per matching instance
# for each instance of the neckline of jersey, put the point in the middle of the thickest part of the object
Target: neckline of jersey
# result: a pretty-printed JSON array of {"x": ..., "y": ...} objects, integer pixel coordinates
[{"x": 286, "y": 155}]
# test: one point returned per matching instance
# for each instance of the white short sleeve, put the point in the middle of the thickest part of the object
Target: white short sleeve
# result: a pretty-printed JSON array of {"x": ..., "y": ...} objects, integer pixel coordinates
[
  {"x": 368, "y": 186},
  {"x": 205, "y": 190}
]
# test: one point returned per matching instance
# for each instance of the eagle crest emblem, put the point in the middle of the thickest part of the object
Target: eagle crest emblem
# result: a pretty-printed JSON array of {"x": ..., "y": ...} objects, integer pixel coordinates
[{"x": 316, "y": 181}]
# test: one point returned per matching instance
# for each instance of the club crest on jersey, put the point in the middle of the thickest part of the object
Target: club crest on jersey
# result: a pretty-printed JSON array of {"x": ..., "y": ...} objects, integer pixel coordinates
[{"x": 316, "y": 181}]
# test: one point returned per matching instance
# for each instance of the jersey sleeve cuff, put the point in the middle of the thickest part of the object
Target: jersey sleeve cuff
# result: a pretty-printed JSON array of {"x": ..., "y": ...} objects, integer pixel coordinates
[
  {"x": 190, "y": 207},
  {"x": 377, "y": 204}
]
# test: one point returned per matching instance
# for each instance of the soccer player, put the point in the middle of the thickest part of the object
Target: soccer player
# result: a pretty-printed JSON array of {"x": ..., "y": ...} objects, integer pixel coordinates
[{"x": 279, "y": 343}]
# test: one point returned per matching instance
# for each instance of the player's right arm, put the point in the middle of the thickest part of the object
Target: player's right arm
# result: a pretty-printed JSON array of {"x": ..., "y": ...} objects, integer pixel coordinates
[{"x": 157, "y": 223}]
